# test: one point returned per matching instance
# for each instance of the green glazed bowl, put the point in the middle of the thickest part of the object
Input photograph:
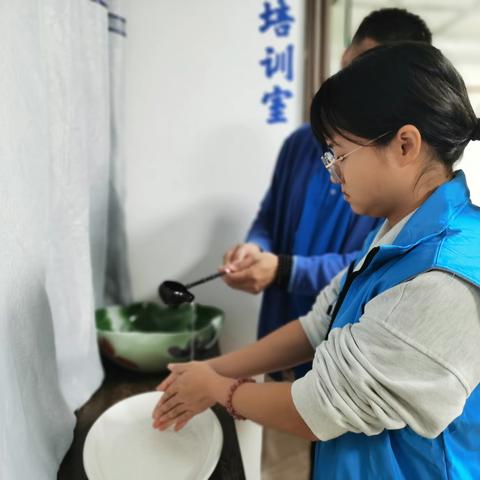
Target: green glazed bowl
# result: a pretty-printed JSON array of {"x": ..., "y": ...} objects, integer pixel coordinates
[{"x": 146, "y": 337}]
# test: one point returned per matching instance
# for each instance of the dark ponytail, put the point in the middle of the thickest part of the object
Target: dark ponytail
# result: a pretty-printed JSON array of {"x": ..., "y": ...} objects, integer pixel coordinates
[{"x": 393, "y": 85}]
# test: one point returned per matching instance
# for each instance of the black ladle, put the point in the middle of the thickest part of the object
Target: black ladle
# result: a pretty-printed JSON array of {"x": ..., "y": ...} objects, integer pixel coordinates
[{"x": 174, "y": 293}]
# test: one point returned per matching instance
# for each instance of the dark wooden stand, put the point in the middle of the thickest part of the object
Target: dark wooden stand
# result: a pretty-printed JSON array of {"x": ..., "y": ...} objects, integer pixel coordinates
[{"x": 119, "y": 384}]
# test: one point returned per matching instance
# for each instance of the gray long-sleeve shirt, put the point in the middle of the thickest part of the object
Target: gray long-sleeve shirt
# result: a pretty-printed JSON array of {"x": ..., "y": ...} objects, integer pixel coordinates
[{"x": 412, "y": 359}]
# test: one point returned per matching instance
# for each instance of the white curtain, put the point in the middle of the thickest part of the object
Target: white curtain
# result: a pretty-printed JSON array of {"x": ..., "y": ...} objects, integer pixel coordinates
[
  {"x": 117, "y": 287},
  {"x": 58, "y": 177}
]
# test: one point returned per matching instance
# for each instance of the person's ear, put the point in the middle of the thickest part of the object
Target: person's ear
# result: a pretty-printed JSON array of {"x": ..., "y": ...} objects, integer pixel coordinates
[{"x": 407, "y": 145}]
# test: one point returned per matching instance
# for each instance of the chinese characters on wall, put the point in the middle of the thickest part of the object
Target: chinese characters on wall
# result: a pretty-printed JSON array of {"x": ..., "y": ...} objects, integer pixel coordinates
[{"x": 278, "y": 63}]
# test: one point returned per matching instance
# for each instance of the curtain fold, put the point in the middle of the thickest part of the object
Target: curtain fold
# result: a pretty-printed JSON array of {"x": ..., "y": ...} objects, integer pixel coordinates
[
  {"x": 57, "y": 173},
  {"x": 117, "y": 287}
]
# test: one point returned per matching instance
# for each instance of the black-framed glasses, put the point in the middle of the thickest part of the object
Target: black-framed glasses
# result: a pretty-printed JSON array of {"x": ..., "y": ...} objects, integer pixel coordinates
[{"x": 330, "y": 160}]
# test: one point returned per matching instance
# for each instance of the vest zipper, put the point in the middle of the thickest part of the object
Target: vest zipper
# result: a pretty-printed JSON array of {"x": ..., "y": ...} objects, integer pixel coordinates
[{"x": 351, "y": 276}]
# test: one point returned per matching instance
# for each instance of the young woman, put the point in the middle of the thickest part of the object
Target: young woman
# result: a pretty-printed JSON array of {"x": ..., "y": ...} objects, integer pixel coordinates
[{"x": 393, "y": 392}]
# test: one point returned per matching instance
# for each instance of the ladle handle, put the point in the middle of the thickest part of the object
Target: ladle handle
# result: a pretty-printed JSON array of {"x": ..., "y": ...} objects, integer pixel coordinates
[{"x": 205, "y": 279}]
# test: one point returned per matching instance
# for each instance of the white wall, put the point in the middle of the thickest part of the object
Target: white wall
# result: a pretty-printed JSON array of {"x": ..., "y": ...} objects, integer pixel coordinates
[{"x": 199, "y": 151}]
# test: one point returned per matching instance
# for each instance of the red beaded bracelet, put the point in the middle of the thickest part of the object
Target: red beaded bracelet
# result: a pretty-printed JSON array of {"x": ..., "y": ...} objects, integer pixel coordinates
[{"x": 228, "y": 404}]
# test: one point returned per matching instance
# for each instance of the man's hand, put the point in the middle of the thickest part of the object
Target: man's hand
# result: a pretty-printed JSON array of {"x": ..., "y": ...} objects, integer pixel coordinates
[
  {"x": 240, "y": 253},
  {"x": 252, "y": 274}
]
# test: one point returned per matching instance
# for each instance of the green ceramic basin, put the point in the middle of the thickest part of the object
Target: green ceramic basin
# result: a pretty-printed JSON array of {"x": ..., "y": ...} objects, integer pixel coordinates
[{"x": 146, "y": 336}]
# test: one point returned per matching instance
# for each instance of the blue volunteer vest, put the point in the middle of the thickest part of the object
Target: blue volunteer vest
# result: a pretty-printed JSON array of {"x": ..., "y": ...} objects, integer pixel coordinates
[{"x": 443, "y": 234}]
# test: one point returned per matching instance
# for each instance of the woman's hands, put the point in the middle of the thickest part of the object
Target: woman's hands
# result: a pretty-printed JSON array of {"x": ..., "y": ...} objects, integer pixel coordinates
[
  {"x": 190, "y": 389},
  {"x": 195, "y": 386}
]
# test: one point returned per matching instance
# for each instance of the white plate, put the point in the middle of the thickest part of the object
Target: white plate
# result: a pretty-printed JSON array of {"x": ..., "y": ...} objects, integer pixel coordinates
[{"x": 122, "y": 445}]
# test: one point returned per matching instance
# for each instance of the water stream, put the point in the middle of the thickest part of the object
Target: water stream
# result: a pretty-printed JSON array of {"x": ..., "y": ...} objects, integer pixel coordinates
[{"x": 192, "y": 329}]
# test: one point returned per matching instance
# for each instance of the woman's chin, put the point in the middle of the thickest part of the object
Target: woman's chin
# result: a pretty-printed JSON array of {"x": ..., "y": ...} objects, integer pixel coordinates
[
  {"x": 358, "y": 209},
  {"x": 362, "y": 209}
]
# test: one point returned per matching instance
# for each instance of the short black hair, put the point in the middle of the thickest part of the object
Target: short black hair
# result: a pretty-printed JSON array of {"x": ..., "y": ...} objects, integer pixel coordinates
[
  {"x": 394, "y": 85},
  {"x": 393, "y": 25}
]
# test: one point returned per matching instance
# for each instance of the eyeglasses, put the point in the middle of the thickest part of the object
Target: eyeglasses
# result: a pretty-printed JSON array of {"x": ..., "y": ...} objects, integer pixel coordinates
[{"x": 330, "y": 160}]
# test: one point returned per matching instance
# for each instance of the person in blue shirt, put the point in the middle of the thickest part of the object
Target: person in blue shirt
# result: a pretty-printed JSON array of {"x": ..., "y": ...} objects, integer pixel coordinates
[
  {"x": 294, "y": 248},
  {"x": 394, "y": 389}
]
